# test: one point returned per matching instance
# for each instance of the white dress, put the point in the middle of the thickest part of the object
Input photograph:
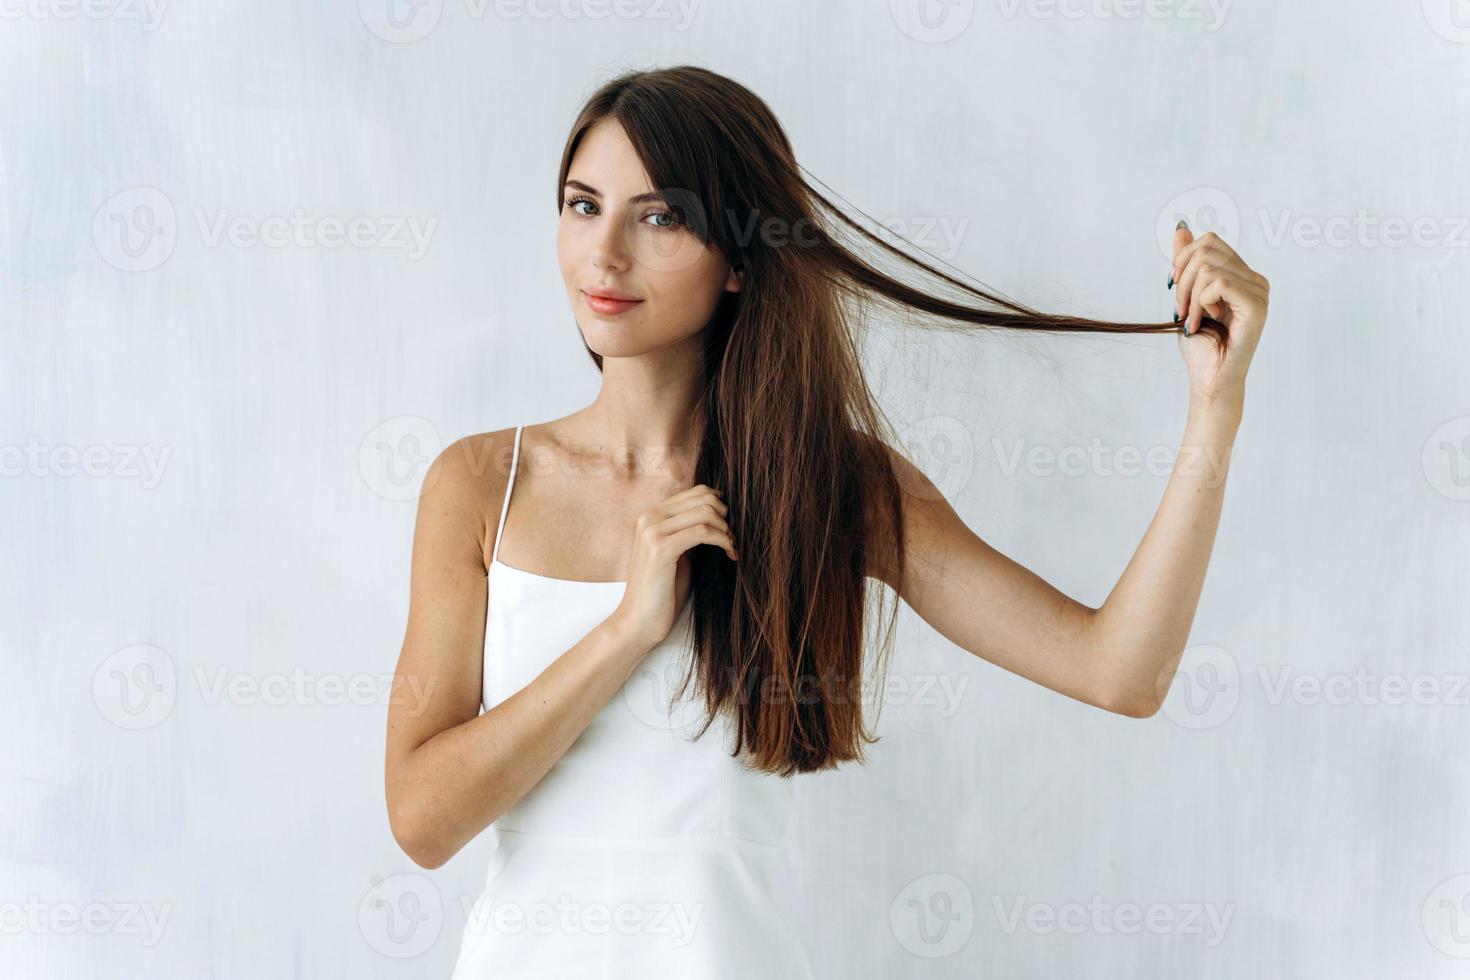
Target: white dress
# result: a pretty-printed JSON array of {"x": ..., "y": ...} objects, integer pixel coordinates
[{"x": 642, "y": 853}]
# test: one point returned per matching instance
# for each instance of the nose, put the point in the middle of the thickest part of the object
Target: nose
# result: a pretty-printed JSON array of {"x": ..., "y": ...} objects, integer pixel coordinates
[{"x": 609, "y": 246}]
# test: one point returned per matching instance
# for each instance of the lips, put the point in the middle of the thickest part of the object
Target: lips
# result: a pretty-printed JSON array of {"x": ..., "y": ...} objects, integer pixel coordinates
[
  {"x": 610, "y": 302},
  {"x": 608, "y": 292}
]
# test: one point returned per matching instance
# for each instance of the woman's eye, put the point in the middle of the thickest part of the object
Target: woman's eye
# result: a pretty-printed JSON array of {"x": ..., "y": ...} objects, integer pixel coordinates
[{"x": 662, "y": 219}]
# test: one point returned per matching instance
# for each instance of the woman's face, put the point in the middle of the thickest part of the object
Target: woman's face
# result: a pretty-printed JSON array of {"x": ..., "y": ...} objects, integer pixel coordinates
[{"x": 609, "y": 243}]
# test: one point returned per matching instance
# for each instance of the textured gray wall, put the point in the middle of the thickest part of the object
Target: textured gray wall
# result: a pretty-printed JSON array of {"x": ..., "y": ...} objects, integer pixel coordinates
[{"x": 259, "y": 261}]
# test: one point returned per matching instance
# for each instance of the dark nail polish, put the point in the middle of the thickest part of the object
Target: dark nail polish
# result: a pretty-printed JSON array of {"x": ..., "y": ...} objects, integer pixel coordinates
[
  {"x": 1176, "y": 317},
  {"x": 1171, "y": 280},
  {"x": 1182, "y": 224}
]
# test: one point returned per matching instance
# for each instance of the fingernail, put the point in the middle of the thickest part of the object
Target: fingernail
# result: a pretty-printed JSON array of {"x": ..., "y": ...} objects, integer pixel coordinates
[
  {"x": 1171, "y": 280},
  {"x": 1182, "y": 224},
  {"x": 1176, "y": 316}
]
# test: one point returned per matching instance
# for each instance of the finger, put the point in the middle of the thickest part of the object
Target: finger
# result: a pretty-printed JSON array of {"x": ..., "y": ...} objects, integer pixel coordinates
[
  {"x": 704, "y": 514},
  {"x": 1218, "y": 256},
  {"x": 693, "y": 497},
  {"x": 689, "y": 517},
  {"x": 1234, "y": 294},
  {"x": 1201, "y": 256},
  {"x": 1219, "y": 250},
  {"x": 1214, "y": 288},
  {"x": 1216, "y": 310},
  {"x": 1185, "y": 279},
  {"x": 1182, "y": 237},
  {"x": 681, "y": 541},
  {"x": 1212, "y": 241},
  {"x": 1201, "y": 277},
  {"x": 698, "y": 488}
]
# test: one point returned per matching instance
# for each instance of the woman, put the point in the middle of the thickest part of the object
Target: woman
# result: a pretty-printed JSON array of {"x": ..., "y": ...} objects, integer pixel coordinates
[{"x": 644, "y": 696}]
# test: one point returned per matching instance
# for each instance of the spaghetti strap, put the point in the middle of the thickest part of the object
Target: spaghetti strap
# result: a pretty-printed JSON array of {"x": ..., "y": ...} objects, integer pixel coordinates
[{"x": 515, "y": 455}]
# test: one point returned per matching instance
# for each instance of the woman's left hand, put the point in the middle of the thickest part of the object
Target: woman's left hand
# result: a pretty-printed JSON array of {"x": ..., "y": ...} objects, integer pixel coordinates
[{"x": 1209, "y": 278}]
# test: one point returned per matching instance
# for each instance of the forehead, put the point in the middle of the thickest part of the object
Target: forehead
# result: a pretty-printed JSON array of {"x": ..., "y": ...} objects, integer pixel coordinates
[{"x": 605, "y": 158}]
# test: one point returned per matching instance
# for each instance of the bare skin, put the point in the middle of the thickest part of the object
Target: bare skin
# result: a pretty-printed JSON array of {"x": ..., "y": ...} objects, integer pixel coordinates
[
  {"x": 452, "y": 770},
  {"x": 575, "y": 513}
]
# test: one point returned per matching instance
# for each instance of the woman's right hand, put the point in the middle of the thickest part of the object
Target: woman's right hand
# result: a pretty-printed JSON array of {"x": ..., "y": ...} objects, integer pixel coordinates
[{"x": 658, "y": 573}]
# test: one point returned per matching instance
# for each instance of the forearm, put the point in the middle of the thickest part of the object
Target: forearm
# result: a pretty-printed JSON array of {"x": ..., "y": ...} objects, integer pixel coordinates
[
  {"x": 458, "y": 782},
  {"x": 1143, "y": 626}
]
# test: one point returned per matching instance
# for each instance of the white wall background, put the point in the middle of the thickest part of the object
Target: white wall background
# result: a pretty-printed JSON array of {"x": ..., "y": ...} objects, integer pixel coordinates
[{"x": 196, "y": 482}]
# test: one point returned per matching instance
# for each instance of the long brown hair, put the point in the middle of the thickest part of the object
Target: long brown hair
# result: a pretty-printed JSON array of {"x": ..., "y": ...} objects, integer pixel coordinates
[{"x": 791, "y": 430}]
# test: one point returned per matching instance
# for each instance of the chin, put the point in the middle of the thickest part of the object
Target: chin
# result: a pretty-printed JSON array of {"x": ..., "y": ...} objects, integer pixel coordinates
[{"x": 611, "y": 339}]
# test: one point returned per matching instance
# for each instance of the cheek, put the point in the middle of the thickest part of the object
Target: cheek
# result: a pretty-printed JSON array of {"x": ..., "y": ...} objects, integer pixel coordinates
[
  {"x": 566, "y": 249},
  {"x": 689, "y": 270}
]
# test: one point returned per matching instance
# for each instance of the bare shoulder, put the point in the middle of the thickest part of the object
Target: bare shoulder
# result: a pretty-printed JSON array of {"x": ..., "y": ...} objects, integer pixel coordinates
[
  {"x": 467, "y": 481},
  {"x": 920, "y": 505},
  {"x": 472, "y": 465}
]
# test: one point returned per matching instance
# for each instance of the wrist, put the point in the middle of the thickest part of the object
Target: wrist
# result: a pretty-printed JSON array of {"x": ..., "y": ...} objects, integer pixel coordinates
[
  {"x": 1217, "y": 404},
  {"x": 620, "y": 635}
]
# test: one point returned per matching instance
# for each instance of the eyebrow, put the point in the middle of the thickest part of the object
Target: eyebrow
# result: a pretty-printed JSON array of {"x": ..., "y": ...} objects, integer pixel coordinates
[{"x": 635, "y": 199}]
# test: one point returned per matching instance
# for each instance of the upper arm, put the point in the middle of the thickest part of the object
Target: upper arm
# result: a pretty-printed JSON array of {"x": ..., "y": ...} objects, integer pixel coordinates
[
  {"x": 438, "y": 680},
  {"x": 989, "y": 605}
]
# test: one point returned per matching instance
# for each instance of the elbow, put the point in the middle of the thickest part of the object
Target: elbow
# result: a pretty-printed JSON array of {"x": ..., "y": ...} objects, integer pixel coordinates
[
  {"x": 1121, "y": 691},
  {"x": 1137, "y": 708},
  {"x": 427, "y": 858},
  {"x": 413, "y": 835},
  {"x": 1132, "y": 702}
]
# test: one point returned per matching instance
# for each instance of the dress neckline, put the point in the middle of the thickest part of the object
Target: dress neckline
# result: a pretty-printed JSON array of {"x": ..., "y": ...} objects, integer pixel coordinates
[
  {"x": 510, "y": 483},
  {"x": 550, "y": 578}
]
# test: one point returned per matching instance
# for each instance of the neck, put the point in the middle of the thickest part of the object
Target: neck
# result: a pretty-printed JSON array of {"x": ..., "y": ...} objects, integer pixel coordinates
[{"x": 646, "y": 419}]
